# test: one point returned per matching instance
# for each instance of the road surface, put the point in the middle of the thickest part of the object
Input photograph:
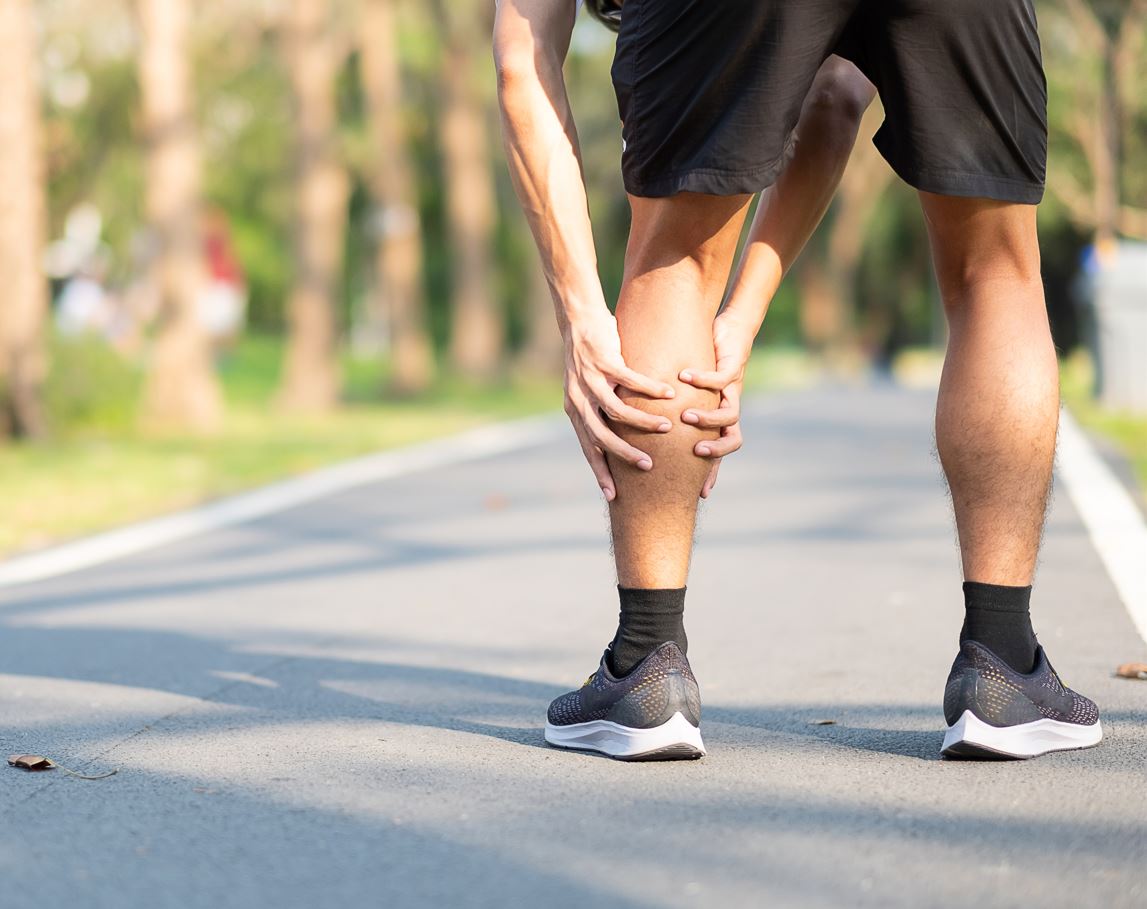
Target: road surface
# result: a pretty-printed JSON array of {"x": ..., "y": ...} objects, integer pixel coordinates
[{"x": 342, "y": 704}]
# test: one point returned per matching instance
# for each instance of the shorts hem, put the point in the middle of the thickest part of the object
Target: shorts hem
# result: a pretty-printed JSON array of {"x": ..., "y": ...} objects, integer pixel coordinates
[
  {"x": 972, "y": 186},
  {"x": 713, "y": 181}
]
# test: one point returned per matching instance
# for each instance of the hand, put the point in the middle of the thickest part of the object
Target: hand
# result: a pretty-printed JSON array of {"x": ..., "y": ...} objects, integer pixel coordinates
[
  {"x": 732, "y": 344},
  {"x": 594, "y": 371}
]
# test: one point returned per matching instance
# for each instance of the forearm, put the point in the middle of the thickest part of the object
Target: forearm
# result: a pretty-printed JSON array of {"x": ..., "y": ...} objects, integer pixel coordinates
[
  {"x": 790, "y": 210},
  {"x": 545, "y": 166}
]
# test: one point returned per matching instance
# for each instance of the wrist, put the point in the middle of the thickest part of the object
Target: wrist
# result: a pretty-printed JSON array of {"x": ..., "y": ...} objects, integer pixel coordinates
[
  {"x": 741, "y": 324},
  {"x": 579, "y": 317}
]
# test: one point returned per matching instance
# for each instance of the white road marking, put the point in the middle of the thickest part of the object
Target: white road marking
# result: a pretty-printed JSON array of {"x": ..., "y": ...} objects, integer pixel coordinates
[
  {"x": 135, "y": 538},
  {"x": 1116, "y": 526}
]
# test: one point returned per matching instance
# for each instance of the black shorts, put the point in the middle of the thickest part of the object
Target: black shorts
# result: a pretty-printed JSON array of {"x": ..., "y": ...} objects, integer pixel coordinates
[{"x": 709, "y": 91}]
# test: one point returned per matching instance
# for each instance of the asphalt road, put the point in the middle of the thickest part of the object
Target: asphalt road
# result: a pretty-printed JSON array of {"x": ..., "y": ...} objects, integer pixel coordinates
[{"x": 343, "y": 703}]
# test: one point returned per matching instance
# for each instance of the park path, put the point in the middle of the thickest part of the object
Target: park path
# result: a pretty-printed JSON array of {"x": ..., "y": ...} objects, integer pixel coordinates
[{"x": 342, "y": 703}]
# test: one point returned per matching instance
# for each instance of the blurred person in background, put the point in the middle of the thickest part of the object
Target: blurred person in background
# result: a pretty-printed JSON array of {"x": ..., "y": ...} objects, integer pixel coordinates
[
  {"x": 223, "y": 300},
  {"x": 720, "y": 101}
]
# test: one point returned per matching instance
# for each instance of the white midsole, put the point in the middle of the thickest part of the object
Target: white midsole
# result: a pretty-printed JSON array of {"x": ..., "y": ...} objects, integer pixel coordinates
[
  {"x": 1024, "y": 740},
  {"x": 622, "y": 741}
]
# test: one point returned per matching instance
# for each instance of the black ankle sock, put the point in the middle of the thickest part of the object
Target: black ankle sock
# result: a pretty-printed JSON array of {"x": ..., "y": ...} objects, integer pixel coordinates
[
  {"x": 998, "y": 618},
  {"x": 649, "y": 618}
]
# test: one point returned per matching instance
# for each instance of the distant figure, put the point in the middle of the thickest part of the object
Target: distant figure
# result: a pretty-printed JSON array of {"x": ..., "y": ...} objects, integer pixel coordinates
[
  {"x": 84, "y": 306},
  {"x": 223, "y": 303}
]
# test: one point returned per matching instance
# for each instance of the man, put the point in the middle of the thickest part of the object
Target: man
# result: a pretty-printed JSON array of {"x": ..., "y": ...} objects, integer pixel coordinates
[{"x": 720, "y": 100}]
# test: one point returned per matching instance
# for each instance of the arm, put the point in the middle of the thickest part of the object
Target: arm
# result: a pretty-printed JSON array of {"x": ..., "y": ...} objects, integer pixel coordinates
[
  {"x": 787, "y": 214},
  {"x": 531, "y": 39}
]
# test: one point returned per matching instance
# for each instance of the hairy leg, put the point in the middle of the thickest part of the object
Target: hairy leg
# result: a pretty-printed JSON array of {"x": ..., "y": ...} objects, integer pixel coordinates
[
  {"x": 998, "y": 409},
  {"x": 677, "y": 264}
]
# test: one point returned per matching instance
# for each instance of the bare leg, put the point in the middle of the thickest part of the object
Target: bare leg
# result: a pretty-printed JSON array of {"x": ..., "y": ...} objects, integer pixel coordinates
[
  {"x": 998, "y": 409},
  {"x": 677, "y": 263}
]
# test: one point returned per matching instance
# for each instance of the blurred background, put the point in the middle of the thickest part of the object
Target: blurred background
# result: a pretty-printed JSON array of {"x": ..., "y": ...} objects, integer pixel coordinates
[{"x": 242, "y": 239}]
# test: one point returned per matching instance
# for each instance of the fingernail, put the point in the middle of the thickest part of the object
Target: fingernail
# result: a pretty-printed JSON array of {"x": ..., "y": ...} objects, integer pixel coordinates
[
  {"x": 608, "y": 493},
  {"x": 689, "y": 417},
  {"x": 665, "y": 427},
  {"x": 704, "y": 450},
  {"x": 686, "y": 376},
  {"x": 670, "y": 392},
  {"x": 645, "y": 464}
]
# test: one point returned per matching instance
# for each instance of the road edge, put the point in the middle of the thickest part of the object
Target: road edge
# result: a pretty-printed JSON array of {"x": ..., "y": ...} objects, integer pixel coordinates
[
  {"x": 108, "y": 546},
  {"x": 1114, "y": 523}
]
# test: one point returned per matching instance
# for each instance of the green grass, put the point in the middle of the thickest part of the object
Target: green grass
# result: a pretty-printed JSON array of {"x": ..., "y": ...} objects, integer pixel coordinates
[
  {"x": 99, "y": 470},
  {"x": 1127, "y": 431}
]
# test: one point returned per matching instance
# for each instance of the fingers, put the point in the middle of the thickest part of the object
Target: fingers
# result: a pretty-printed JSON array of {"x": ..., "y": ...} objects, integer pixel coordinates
[
  {"x": 715, "y": 380},
  {"x": 597, "y": 463},
  {"x": 711, "y": 419},
  {"x": 635, "y": 381},
  {"x": 600, "y": 435},
  {"x": 620, "y": 412},
  {"x": 729, "y": 442},
  {"x": 711, "y": 480}
]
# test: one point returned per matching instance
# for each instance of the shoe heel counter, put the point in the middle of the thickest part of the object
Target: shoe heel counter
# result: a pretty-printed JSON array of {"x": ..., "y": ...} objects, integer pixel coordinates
[
  {"x": 979, "y": 684},
  {"x": 961, "y": 693},
  {"x": 640, "y": 710}
]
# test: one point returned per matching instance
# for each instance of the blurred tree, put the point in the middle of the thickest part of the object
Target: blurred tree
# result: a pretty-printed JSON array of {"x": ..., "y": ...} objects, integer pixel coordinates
[
  {"x": 398, "y": 291},
  {"x": 828, "y": 283},
  {"x": 477, "y": 337},
  {"x": 182, "y": 389},
  {"x": 542, "y": 353},
  {"x": 1096, "y": 65},
  {"x": 315, "y": 55},
  {"x": 24, "y": 298}
]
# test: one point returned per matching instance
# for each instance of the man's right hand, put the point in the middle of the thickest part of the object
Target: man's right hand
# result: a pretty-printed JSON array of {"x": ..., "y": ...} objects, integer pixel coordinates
[{"x": 595, "y": 370}]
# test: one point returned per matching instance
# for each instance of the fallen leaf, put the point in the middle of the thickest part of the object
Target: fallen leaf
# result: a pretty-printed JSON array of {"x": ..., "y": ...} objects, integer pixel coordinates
[
  {"x": 39, "y": 762},
  {"x": 30, "y": 762},
  {"x": 1132, "y": 671},
  {"x": 822, "y": 723}
]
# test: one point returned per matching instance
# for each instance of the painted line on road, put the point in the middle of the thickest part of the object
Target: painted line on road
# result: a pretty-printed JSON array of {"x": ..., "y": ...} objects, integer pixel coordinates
[
  {"x": 135, "y": 538},
  {"x": 1116, "y": 526}
]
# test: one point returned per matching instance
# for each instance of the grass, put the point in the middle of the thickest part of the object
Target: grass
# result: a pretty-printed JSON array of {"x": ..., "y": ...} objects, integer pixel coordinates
[
  {"x": 1127, "y": 431},
  {"x": 104, "y": 471}
]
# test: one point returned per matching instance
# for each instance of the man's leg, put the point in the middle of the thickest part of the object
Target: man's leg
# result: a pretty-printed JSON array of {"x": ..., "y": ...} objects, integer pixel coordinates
[
  {"x": 998, "y": 408},
  {"x": 677, "y": 264}
]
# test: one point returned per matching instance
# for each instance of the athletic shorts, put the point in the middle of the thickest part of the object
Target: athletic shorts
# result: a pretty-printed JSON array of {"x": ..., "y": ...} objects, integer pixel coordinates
[{"x": 709, "y": 91}]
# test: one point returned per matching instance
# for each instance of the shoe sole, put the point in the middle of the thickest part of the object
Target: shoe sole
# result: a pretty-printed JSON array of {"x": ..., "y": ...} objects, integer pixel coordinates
[
  {"x": 674, "y": 740},
  {"x": 971, "y": 737}
]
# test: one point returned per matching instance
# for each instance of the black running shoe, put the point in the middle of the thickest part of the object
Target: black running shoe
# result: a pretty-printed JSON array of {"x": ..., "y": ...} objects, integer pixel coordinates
[
  {"x": 995, "y": 712},
  {"x": 653, "y": 714}
]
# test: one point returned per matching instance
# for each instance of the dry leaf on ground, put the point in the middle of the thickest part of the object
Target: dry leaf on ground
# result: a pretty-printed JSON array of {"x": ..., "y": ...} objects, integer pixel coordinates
[
  {"x": 39, "y": 762},
  {"x": 30, "y": 762},
  {"x": 1132, "y": 671}
]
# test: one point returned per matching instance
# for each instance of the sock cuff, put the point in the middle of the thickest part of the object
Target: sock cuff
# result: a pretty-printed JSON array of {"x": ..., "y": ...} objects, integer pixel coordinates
[
  {"x": 662, "y": 600},
  {"x": 996, "y": 597}
]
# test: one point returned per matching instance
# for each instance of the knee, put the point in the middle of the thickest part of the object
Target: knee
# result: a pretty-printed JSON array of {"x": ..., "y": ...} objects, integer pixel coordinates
[
  {"x": 838, "y": 98},
  {"x": 1004, "y": 272}
]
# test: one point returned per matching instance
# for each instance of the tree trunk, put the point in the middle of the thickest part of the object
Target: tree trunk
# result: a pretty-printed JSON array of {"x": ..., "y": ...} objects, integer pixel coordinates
[
  {"x": 399, "y": 293},
  {"x": 310, "y": 379},
  {"x": 23, "y": 294},
  {"x": 543, "y": 352},
  {"x": 828, "y": 307},
  {"x": 476, "y": 337},
  {"x": 182, "y": 390}
]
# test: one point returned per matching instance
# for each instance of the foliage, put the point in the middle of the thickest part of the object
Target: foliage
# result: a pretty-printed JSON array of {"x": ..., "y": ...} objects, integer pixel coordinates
[{"x": 90, "y": 387}]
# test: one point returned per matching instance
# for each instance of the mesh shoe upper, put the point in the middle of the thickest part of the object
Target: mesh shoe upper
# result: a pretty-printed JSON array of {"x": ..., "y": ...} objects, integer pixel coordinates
[
  {"x": 659, "y": 686},
  {"x": 997, "y": 694}
]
